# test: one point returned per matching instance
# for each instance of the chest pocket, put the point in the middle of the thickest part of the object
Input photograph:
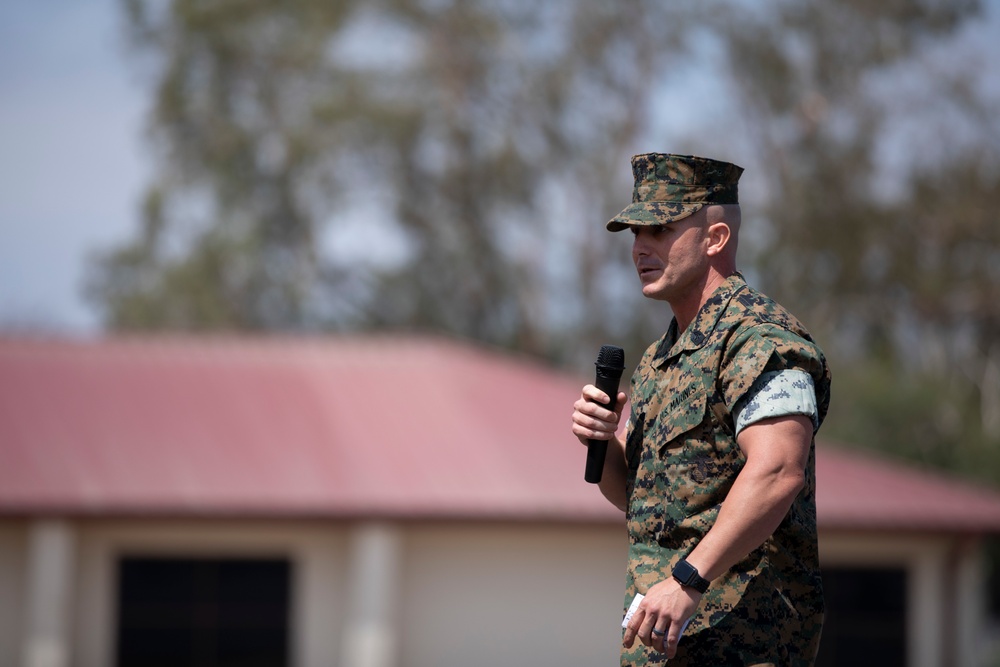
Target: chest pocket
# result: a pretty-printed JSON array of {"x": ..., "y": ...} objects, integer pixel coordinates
[
  {"x": 680, "y": 408},
  {"x": 662, "y": 411},
  {"x": 688, "y": 456}
]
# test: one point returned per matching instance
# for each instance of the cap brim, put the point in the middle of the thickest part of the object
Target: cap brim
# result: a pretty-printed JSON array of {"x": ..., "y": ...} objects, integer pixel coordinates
[{"x": 652, "y": 213}]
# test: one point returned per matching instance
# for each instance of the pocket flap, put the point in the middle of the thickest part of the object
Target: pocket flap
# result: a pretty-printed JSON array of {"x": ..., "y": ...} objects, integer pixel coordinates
[{"x": 683, "y": 409}]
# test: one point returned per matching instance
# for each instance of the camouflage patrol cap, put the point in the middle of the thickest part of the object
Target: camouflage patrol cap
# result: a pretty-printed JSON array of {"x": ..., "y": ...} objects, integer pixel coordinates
[{"x": 672, "y": 187}]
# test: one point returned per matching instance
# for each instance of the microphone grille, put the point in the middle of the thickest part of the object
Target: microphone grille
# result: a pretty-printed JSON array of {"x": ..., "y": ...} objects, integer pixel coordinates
[{"x": 611, "y": 355}]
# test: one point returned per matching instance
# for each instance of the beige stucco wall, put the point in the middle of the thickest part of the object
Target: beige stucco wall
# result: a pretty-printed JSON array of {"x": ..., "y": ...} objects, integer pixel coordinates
[
  {"x": 464, "y": 593},
  {"x": 496, "y": 595},
  {"x": 440, "y": 594}
]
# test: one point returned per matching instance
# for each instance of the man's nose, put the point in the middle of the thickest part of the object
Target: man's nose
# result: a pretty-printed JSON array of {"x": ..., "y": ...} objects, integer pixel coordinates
[{"x": 639, "y": 244}]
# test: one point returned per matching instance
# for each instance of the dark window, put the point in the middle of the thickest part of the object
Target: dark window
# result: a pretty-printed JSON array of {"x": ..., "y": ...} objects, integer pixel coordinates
[
  {"x": 993, "y": 576},
  {"x": 200, "y": 612},
  {"x": 865, "y": 617}
]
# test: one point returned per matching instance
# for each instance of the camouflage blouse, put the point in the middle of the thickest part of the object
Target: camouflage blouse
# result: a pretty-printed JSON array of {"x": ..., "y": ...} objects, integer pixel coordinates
[{"x": 683, "y": 458}]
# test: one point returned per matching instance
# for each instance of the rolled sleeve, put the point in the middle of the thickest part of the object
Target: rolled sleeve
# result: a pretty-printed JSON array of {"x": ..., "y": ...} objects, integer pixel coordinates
[{"x": 778, "y": 394}]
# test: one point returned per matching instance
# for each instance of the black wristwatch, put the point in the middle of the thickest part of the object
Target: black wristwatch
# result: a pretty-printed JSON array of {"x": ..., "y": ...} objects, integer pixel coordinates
[{"x": 686, "y": 574}]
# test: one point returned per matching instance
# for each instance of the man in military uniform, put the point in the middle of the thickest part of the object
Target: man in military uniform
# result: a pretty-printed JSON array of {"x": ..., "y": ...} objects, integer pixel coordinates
[{"x": 716, "y": 472}]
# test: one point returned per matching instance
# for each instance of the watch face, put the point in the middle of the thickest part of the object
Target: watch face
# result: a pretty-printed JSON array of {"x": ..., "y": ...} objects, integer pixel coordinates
[{"x": 684, "y": 572}]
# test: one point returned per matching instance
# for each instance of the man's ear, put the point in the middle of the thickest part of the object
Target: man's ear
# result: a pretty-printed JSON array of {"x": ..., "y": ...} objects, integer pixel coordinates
[{"x": 718, "y": 238}]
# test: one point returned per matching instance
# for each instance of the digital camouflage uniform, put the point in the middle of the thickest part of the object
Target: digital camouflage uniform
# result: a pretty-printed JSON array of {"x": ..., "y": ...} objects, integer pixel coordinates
[
  {"x": 682, "y": 454},
  {"x": 682, "y": 458}
]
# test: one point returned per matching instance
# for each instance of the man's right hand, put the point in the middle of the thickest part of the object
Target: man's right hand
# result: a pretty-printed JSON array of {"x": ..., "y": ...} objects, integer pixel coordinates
[{"x": 591, "y": 420}]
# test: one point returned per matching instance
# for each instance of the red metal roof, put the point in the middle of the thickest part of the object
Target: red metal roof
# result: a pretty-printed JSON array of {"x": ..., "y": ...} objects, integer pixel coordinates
[
  {"x": 355, "y": 426},
  {"x": 860, "y": 491},
  {"x": 340, "y": 426}
]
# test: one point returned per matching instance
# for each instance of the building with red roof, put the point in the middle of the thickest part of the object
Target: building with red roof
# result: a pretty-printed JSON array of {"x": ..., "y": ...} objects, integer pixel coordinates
[{"x": 385, "y": 502}]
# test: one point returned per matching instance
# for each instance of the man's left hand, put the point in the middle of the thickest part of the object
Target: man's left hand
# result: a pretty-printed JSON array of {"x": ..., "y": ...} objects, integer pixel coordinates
[{"x": 661, "y": 616}]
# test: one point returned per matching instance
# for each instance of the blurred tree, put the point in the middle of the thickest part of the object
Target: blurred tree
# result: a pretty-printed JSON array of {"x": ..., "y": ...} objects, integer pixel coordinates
[
  {"x": 448, "y": 166},
  {"x": 468, "y": 145},
  {"x": 888, "y": 247}
]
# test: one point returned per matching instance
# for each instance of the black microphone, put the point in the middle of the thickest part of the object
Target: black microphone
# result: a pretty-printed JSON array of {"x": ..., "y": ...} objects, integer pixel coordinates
[{"x": 610, "y": 364}]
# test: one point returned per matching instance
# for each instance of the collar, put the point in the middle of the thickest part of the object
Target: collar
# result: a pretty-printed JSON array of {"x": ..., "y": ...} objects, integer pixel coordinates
[{"x": 704, "y": 323}]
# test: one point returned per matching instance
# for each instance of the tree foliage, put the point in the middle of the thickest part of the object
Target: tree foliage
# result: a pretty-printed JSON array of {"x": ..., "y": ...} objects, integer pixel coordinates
[
  {"x": 434, "y": 166},
  {"x": 448, "y": 166},
  {"x": 887, "y": 244}
]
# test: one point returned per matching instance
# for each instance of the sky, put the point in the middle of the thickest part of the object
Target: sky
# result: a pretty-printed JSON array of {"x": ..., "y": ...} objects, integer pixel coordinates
[
  {"x": 72, "y": 160},
  {"x": 73, "y": 157}
]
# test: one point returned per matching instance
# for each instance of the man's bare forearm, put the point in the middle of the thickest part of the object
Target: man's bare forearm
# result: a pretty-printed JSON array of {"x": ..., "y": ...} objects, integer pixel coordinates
[{"x": 760, "y": 496}]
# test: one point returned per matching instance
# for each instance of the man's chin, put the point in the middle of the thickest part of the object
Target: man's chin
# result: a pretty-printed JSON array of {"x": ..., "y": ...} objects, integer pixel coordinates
[{"x": 652, "y": 291}]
